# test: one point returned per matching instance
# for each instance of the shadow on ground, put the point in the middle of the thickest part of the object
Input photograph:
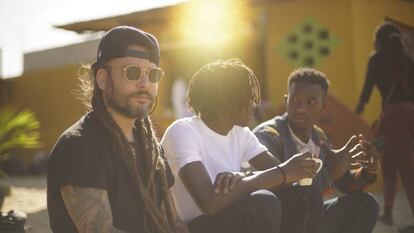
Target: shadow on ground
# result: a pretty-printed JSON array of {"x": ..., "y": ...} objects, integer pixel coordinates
[{"x": 28, "y": 194}]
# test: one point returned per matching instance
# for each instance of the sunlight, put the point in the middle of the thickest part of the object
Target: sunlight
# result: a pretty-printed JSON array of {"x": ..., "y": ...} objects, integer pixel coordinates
[{"x": 212, "y": 23}]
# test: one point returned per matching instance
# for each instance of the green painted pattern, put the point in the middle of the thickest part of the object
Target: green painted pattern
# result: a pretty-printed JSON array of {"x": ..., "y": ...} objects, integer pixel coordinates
[{"x": 308, "y": 44}]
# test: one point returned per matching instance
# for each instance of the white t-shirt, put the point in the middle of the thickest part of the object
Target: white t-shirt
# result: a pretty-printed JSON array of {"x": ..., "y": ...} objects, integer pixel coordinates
[
  {"x": 302, "y": 147},
  {"x": 189, "y": 139}
]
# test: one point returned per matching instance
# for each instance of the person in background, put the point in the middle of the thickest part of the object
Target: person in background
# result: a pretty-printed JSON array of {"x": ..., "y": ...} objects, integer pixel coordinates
[{"x": 392, "y": 72}]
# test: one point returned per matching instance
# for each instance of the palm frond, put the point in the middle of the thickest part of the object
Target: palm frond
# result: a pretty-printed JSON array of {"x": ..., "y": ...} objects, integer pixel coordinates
[{"x": 18, "y": 129}]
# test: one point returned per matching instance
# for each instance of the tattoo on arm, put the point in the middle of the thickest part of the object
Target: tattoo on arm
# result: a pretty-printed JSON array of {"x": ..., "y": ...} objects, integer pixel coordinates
[{"x": 89, "y": 209}]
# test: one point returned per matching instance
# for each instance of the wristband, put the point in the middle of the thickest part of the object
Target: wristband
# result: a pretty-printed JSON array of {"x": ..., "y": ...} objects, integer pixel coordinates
[
  {"x": 248, "y": 173},
  {"x": 283, "y": 173}
]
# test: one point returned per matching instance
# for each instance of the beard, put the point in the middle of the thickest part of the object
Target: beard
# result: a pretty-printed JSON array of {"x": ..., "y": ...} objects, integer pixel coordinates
[{"x": 125, "y": 107}]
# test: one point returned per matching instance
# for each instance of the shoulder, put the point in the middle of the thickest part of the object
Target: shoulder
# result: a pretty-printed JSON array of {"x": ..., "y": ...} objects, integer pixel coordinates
[
  {"x": 184, "y": 122},
  {"x": 182, "y": 126},
  {"x": 243, "y": 133},
  {"x": 375, "y": 58},
  {"x": 83, "y": 137},
  {"x": 269, "y": 127},
  {"x": 320, "y": 133},
  {"x": 82, "y": 156},
  {"x": 86, "y": 128},
  {"x": 182, "y": 132}
]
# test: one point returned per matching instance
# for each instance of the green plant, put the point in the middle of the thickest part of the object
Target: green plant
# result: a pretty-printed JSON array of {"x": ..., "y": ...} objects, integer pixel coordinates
[{"x": 18, "y": 130}]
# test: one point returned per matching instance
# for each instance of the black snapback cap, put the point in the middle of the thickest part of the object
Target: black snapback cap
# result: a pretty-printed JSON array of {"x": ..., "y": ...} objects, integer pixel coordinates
[{"x": 114, "y": 44}]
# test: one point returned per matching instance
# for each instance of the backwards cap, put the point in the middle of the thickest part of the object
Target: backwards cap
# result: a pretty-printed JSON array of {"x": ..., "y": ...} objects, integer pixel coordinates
[{"x": 114, "y": 44}]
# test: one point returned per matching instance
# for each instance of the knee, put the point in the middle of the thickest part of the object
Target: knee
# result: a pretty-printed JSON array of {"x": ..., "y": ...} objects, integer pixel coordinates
[
  {"x": 265, "y": 201},
  {"x": 304, "y": 197},
  {"x": 372, "y": 204},
  {"x": 312, "y": 198},
  {"x": 368, "y": 203},
  {"x": 265, "y": 208}
]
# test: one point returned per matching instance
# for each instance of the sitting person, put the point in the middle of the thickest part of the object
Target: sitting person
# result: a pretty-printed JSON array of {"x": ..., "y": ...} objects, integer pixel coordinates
[
  {"x": 206, "y": 153},
  {"x": 106, "y": 172},
  {"x": 294, "y": 132}
]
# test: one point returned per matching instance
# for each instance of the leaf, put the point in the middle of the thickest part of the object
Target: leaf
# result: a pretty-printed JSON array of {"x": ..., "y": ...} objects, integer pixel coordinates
[{"x": 18, "y": 130}]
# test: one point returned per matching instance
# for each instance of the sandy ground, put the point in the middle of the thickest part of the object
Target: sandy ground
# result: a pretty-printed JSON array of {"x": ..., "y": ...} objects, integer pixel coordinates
[{"x": 28, "y": 194}]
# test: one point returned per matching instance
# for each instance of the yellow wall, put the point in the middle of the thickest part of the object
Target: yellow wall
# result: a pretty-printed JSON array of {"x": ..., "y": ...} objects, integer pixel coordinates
[
  {"x": 48, "y": 94},
  {"x": 354, "y": 22},
  {"x": 335, "y": 15}
]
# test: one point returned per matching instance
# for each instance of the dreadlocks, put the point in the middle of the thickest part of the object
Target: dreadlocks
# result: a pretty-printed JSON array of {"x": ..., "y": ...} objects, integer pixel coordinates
[
  {"x": 156, "y": 219},
  {"x": 223, "y": 87}
]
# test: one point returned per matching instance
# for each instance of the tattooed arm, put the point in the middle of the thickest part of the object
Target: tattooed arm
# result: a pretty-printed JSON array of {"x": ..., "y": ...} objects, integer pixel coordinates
[{"x": 89, "y": 209}]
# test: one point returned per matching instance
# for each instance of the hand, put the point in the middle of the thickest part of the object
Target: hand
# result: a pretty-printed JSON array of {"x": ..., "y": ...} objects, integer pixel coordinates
[
  {"x": 299, "y": 166},
  {"x": 226, "y": 181},
  {"x": 180, "y": 226},
  {"x": 348, "y": 157},
  {"x": 359, "y": 109},
  {"x": 371, "y": 162}
]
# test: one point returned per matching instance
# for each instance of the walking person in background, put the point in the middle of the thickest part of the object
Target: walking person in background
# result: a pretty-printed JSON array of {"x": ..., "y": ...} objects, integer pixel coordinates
[{"x": 392, "y": 72}]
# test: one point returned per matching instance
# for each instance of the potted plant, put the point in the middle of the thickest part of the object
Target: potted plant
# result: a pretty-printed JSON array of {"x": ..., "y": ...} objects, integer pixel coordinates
[{"x": 17, "y": 130}]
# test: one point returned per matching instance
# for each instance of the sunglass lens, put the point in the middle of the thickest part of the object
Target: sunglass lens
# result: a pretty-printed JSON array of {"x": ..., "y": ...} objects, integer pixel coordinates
[
  {"x": 132, "y": 72},
  {"x": 155, "y": 75}
]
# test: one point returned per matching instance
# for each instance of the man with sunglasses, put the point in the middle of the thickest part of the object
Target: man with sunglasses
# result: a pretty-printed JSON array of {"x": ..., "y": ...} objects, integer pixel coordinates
[{"x": 107, "y": 172}]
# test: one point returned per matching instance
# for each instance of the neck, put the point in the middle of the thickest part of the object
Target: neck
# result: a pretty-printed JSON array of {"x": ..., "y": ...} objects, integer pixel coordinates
[
  {"x": 219, "y": 125},
  {"x": 126, "y": 124},
  {"x": 302, "y": 133}
]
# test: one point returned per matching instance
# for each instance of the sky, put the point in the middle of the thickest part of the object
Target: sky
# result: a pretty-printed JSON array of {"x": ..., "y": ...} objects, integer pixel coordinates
[{"x": 27, "y": 25}]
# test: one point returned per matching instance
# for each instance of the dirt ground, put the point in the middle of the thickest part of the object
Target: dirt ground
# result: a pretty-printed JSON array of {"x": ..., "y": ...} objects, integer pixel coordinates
[{"x": 28, "y": 194}]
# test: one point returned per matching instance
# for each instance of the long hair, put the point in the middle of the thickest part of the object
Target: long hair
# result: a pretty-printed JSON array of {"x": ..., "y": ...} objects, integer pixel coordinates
[
  {"x": 382, "y": 33},
  {"x": 396, "y": 63},
  {"x": 223, "y": 87},
  {"x": 151, "y": 183}
]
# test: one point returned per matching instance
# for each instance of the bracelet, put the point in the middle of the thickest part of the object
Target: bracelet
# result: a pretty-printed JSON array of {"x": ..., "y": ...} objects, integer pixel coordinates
[
  {"x": 283, "y": 173},
  {"x": 248, "y": 173}
]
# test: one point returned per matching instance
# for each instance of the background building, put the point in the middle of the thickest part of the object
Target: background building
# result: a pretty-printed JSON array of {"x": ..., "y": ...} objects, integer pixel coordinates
[{"x": 271, "y": 36}]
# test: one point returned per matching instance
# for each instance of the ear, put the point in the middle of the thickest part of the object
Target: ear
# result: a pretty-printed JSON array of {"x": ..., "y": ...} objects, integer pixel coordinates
[
  {"x": 325, "y": 104},
  {"x": 101, "y": 79}
]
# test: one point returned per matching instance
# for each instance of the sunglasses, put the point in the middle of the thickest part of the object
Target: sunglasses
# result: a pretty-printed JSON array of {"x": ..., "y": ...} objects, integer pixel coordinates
[{"x": 134, "y": 72}]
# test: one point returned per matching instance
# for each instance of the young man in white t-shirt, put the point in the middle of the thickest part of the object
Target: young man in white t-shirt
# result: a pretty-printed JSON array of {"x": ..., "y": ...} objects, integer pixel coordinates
[{"x": 206, "y": 153}]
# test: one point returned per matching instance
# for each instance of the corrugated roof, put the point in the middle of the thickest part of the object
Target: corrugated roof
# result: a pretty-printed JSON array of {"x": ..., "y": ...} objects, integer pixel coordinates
[{"x": 136, "y": 19}]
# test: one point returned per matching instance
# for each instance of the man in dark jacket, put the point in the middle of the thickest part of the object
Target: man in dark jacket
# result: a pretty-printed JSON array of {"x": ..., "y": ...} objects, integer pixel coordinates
[{"x": 303, "y": 208}]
